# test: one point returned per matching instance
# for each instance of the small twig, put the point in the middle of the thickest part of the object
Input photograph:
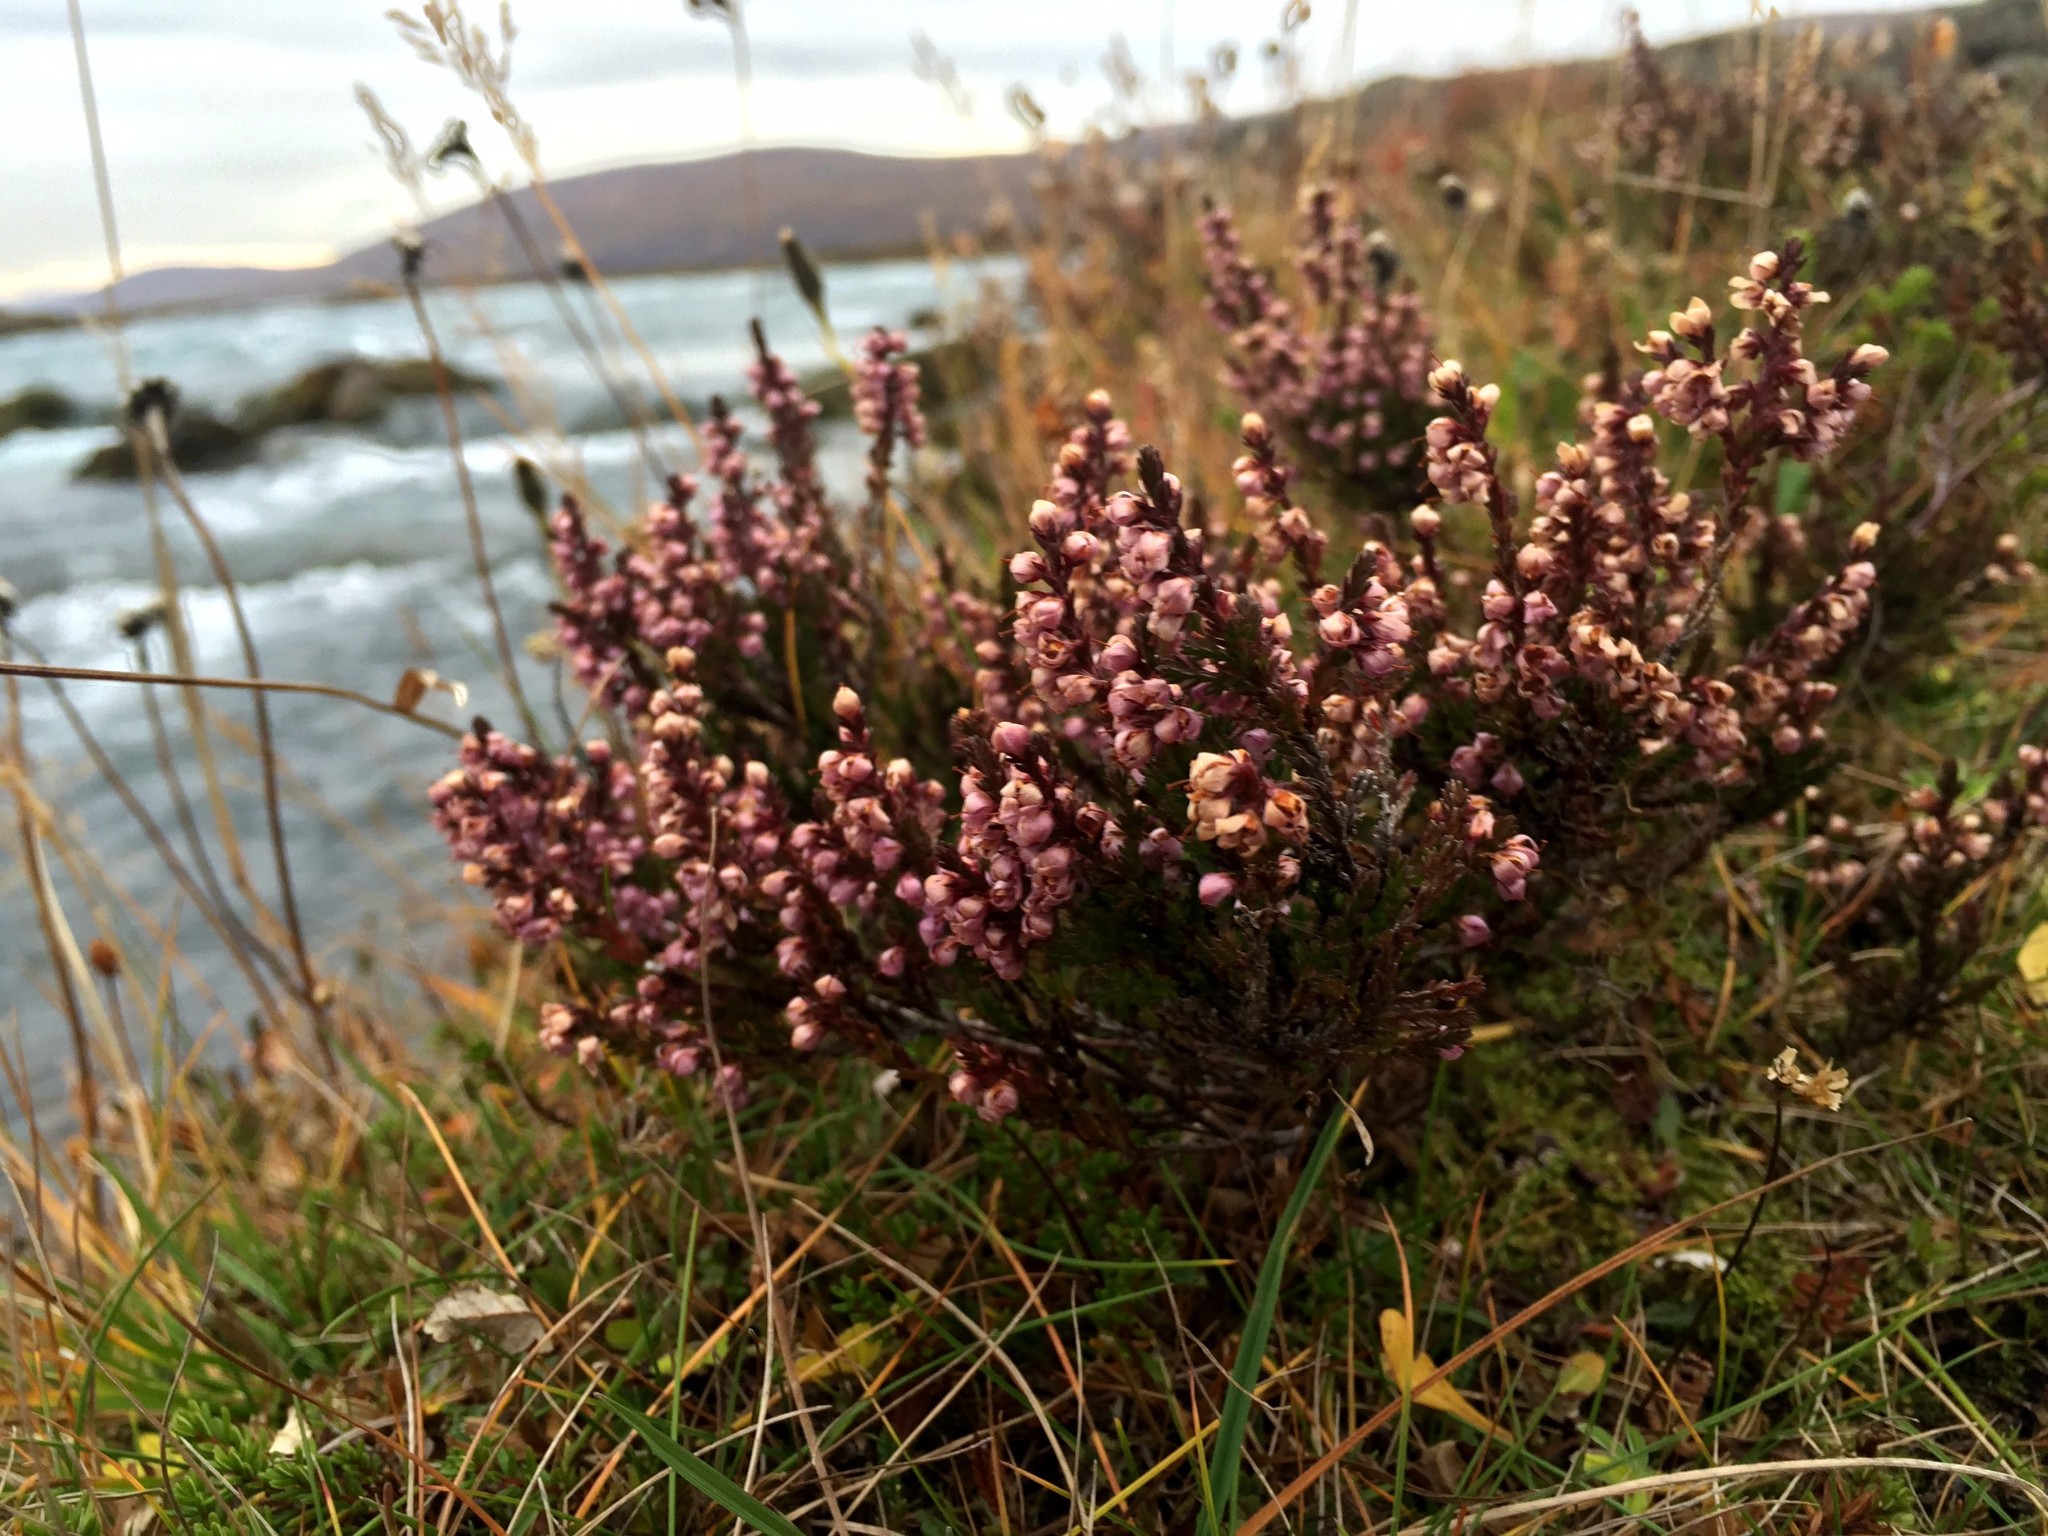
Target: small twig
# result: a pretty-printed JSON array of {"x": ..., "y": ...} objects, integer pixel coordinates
[{"x": 247, "y": 684}]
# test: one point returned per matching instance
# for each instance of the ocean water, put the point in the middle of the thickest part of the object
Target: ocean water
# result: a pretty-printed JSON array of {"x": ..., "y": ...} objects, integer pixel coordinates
[{"x": 350, "y": 554}]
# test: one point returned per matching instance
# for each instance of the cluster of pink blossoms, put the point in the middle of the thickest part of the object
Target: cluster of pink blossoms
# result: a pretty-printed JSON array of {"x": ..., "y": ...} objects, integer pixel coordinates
[
  {"x": 548, "y": 837},
  {"x": 1342, "y": 373},
  {"x": 886, "y": 404},
  {"x": 1599, "y": 599},
  {"x": 1273, "y": 819}
]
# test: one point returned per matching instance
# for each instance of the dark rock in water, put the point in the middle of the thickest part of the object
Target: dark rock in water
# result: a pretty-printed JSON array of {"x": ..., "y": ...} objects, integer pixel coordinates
[
  {"x": 346, "y": 392},
  {"x": 38, "y": 406},
  {"x": 13, "y": 322},
  {"x": 199, "y": 440}
]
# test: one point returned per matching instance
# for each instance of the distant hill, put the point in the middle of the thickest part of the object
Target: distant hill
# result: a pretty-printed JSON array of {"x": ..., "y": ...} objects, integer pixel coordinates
[{"x": 681, "y": 215}]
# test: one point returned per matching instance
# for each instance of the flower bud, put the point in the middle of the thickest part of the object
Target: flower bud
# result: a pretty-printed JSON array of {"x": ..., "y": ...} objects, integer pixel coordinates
[
  {"x": 1216, "y": 888},
  {"x": 1694, "y": 320},
  {"x": 999, "y": 1103},
  {"x": 1011, "y": 739}
]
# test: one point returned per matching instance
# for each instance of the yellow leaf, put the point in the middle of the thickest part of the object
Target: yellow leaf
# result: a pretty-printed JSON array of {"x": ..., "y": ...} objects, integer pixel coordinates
[
  {"x": 2034, "y": 966},
  {"x": 856, "y": 1352},
  {"x": 1405, "y": 1367},
  {"x": 864, "y": 1346},
  {"x": 1582, "y": 1375},
  {"x": 666, "y": 1365}
]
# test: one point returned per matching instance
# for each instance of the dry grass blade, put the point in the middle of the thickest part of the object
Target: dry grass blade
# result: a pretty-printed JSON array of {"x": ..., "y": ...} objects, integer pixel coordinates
[
  {"x": 1526, "y": 1509},
  {"x": 954, "y": 1310}
]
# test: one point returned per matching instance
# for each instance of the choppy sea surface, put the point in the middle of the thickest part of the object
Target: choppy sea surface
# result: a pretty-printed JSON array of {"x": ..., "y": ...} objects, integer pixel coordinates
[{"x": 350, "y": 554}]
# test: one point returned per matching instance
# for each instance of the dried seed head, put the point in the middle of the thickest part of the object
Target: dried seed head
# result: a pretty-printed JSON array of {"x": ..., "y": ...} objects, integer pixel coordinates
[
  {"x": 1383, "y": 257},
  {"x": 136, "y": 622}
]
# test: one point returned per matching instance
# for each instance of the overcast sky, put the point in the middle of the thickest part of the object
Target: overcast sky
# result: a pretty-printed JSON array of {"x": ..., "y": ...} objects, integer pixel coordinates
[{"x": 233, "y": 136}]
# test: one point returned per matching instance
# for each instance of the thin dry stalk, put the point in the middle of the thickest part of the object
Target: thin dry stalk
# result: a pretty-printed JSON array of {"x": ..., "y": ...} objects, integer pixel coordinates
[
  {"x": 153, "y": 434},
  {"x": 32, "y": 861},
  {"x": 479, "y": 551}
]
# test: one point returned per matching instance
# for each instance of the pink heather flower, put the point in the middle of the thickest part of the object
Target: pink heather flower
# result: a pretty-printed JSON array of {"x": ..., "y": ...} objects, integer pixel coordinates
[
  {"x": 1473, "y": 931},
  {"x": 998, "y": 1103},
  {"x": 679, "y": 1060},
  {"x": 885, "y": 405},
  {"x": 1216, "y": 888},
  {"x": 1512, "y": 864},
  {"x": 729, "y": 1086}
]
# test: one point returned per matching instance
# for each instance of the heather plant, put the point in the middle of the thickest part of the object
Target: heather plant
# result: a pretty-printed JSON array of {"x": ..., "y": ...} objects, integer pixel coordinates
[
  {"x": 1215, "y": 817},
  {"x": 1894, "y": 109},
  {"x": 1340, "y": 371},
  {"x": 1908, "y": 901}
]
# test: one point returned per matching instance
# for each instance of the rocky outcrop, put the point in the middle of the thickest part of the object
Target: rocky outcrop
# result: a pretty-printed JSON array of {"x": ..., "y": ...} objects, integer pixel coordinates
[
  {"x": 38, "y": 407},
  {"x": 343, "y": 392}
]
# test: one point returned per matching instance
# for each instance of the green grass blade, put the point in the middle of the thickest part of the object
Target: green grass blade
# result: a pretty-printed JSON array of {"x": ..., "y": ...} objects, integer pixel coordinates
[
  {"x": 702, "y": 1476},
  {"x": 1235, "y": 1420}
]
